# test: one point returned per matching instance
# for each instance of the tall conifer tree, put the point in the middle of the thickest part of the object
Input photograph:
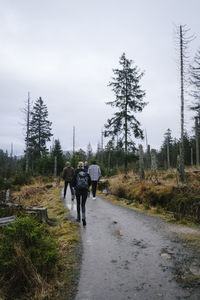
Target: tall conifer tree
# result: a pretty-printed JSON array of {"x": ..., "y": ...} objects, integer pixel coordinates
[
  {"x": 40, "y": 129},
  {"x": 128, "y": 101}
]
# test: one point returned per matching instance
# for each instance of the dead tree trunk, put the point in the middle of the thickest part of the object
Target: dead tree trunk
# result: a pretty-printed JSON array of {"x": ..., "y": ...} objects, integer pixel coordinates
[
  {"x": 182, "y": 177},
  {"x": 192, "y": 163},
  {"x": 27, "y": 132},
  {"x": 197, "y": 140},
  {"x": 55, "y": 166},
  {"x": 168, "y": 157},
  {"x": 141, "y": 162}
]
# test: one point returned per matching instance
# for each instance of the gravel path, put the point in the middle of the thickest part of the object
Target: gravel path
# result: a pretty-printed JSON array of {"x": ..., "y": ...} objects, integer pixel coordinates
[{"x": 129, "y": 255}]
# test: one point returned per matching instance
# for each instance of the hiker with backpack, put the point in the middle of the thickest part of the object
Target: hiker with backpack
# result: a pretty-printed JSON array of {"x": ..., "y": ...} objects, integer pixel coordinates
[
  {"x": 68, "y": 174},
  {"x": 81, "y": 183},
  {"x": 95, "y": 173}
]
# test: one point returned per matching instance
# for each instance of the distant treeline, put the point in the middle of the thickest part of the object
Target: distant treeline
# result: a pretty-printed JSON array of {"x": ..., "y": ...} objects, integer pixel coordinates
[{"x": 111, "y": 159}]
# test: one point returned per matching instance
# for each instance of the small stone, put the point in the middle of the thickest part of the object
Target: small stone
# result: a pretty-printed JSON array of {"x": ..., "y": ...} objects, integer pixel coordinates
[
  {"x": 165, "y": 256},
  {"x": 195, "y": 270}
]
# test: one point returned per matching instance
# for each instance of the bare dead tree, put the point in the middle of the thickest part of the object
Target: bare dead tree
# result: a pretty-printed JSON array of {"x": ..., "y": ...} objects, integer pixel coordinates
[
  {"x": 168, "y": 157},
  {"x": 55, "y": 166},
  {"x": 141, "y": 162},
  {"x": 154, "y": 167},
  {"x": 27, "y": 131},
  {"x": 73, "y": 139},
  {"x": 191, "y": 153},
  {"x": 26, "y": 128},
  {"x": 183, "y": 41},
  {"x": 102, "y": 136},
  {"x": 197, "y": 139}
]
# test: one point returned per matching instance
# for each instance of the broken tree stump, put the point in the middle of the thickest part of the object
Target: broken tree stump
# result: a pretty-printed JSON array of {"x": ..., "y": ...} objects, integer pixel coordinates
[{"x": 39, "y": 211}]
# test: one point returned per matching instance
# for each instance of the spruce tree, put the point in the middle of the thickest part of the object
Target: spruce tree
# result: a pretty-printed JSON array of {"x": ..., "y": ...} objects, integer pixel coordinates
[
  {"x": 128, "y": 101},
  {"x": 40, "y": 129}
]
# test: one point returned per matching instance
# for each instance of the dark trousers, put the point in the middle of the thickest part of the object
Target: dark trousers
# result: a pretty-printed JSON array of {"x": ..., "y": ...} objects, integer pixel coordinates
[
  {"x": 81, "y": 198},
  {"x": 94, "y": 188},
  {"x": 71, "y": 188}
]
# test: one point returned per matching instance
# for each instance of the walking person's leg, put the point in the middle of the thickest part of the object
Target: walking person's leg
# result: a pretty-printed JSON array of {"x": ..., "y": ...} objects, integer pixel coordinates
[
  {"x": 83, "y": 202},
  {"x": 72, "y": 190},
  {"x": 94, "y": 188},
  {"x": 65, "y": 188},
  {"x": 78, "y": 207}
]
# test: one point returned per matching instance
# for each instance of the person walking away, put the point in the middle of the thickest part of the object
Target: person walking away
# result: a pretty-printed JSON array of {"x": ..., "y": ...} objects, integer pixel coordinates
[
  {"x": 81, "y": 183},
  {"x": 68, "y": 174},
  {"x": 86, "y": 166},
  {"x": 95, "y": 173}
]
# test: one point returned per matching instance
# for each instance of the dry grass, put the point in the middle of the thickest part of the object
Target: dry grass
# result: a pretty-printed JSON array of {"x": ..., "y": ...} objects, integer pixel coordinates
[
  {"x": 60, "y": 284},
  {"x": 164, "y": 195}
]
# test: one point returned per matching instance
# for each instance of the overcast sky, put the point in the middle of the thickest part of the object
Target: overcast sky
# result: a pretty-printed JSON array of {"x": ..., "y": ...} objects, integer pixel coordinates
[{"x": 65, "y": 50}]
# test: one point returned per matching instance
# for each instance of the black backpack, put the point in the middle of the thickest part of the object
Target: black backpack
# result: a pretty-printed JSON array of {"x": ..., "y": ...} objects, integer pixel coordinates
[{"x": 82, "y": 181}]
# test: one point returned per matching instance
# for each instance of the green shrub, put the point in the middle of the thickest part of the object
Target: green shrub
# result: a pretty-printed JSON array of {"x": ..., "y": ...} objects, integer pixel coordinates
[
  {"x": 35, "y": 242},
  {"x": 146, "y": 205},
  {"x": 151, "y": 197},
  {"x": 21, "y": 179},
  {"x": 10, "y": 211},
  {"x": 4, "y": 184}
]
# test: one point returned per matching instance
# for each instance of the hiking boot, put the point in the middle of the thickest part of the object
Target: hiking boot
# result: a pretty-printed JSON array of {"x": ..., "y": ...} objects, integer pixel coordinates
[
  {"x": 84, "y": 222},
  {"x": 78, "y": 220}
]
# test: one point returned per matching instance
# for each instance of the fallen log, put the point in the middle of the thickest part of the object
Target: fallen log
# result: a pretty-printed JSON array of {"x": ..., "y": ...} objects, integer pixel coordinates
[{"x": 7, "y": 220}]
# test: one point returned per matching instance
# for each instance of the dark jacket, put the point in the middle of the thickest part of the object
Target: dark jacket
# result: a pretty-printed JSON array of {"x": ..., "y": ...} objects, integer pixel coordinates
[
  {"x": 75, "y": 177},
  {"x": 86, "y": 168},
  {"x": 68, "y": 174}
]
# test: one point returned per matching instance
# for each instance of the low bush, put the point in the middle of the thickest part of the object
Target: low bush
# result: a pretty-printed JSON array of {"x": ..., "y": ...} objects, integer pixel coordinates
[
  {"x": 21, "y": 179},
  {"x": 4, "y": 184},
  {"x": 27, "y": 253}
]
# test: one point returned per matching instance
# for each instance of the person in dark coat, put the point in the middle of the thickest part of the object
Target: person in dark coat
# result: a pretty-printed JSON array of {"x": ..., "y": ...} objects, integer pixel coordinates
[
  {"x": 68, "y": 174},
  {"x": 86, "y": 166},
  {"x": 81, "y": 182}
]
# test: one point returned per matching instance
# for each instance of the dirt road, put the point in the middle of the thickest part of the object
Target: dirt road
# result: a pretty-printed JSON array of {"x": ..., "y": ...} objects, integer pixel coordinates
[{"x": 129, "y": 255}]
